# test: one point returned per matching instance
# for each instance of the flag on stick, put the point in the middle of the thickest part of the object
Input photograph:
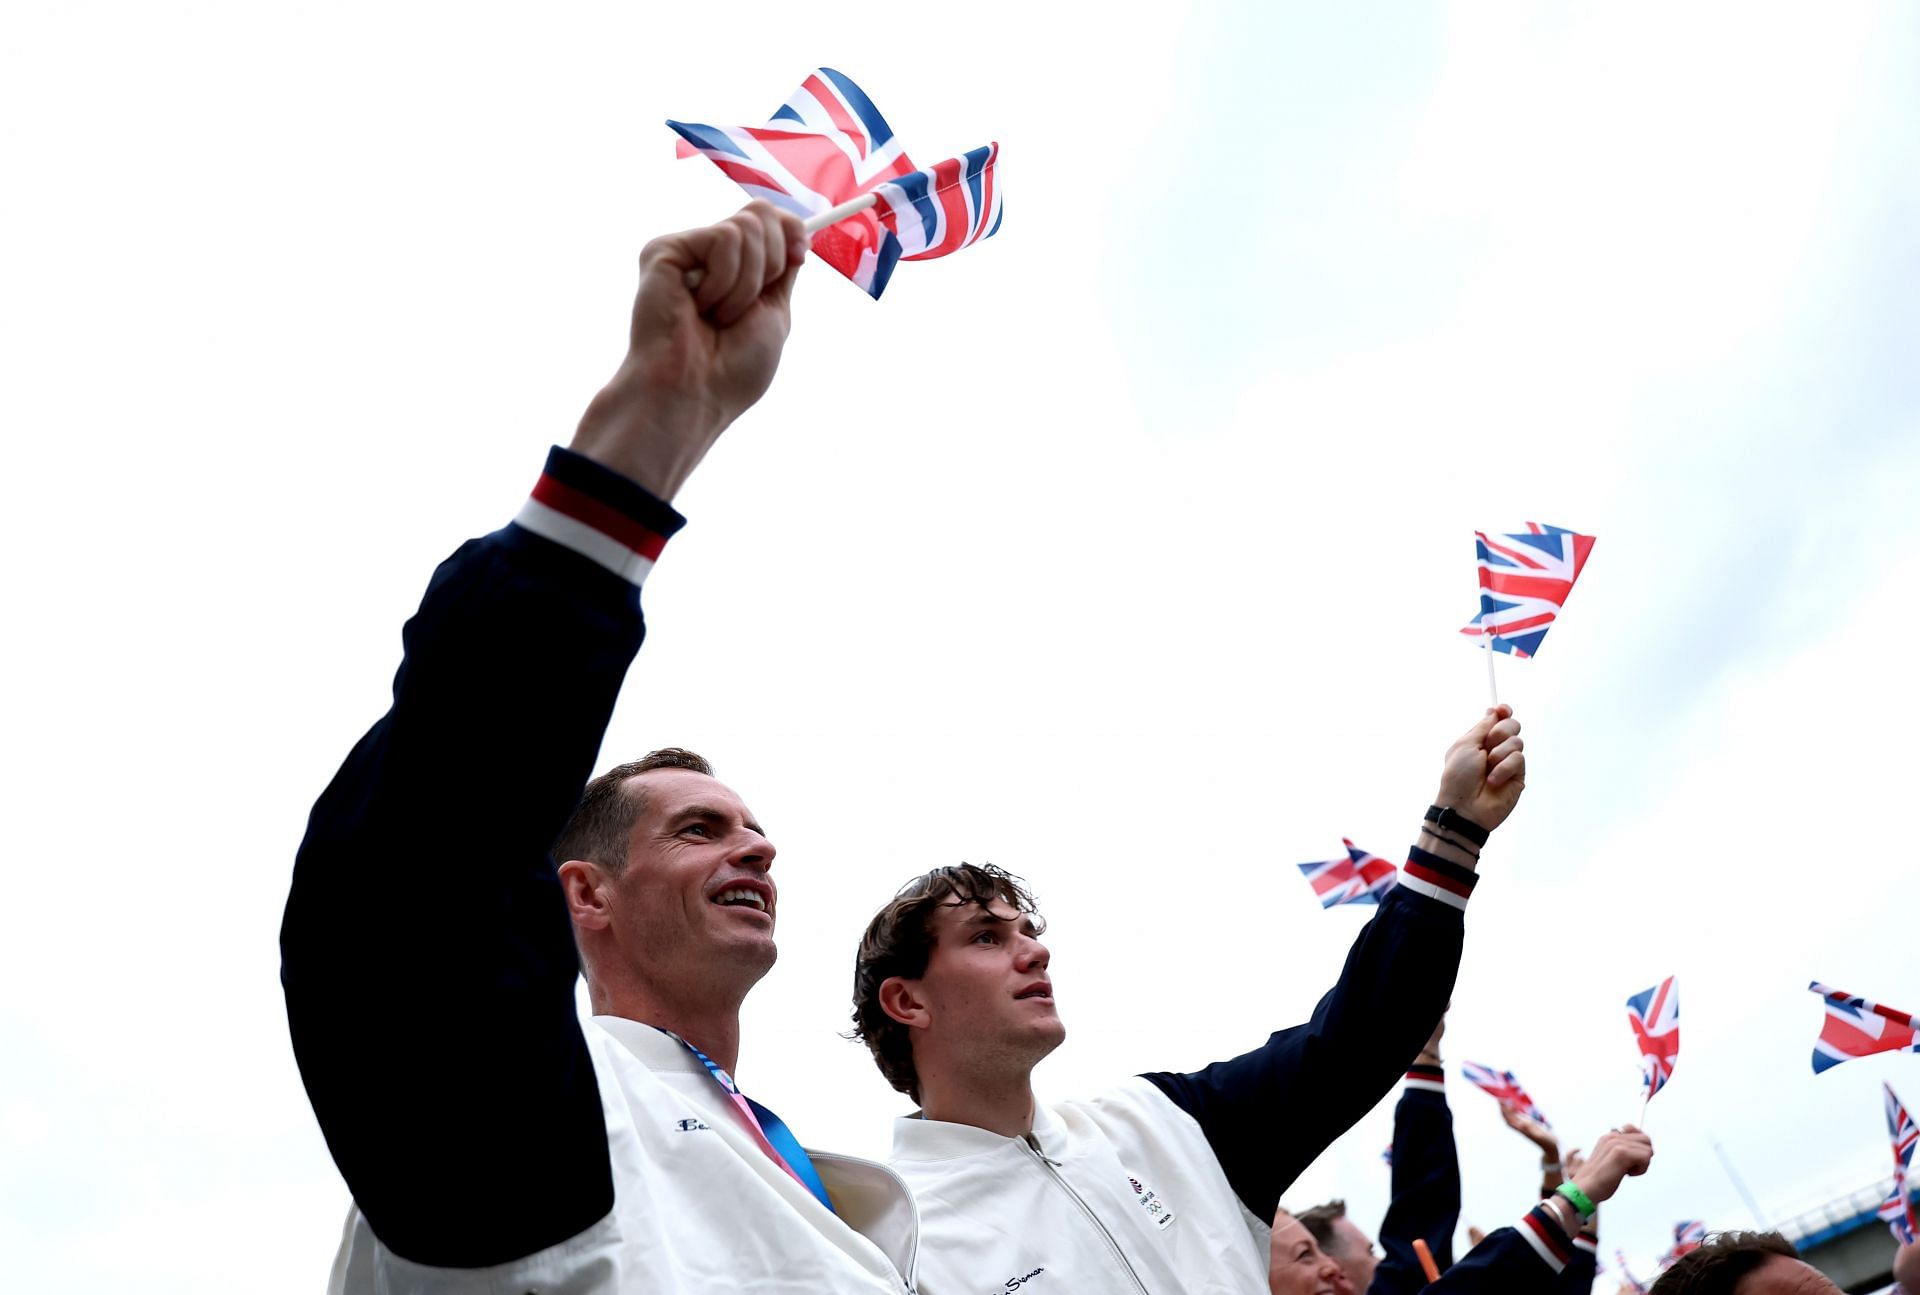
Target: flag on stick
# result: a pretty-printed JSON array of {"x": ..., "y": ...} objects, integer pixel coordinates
[
  {"x": 1654, "y": 1015},
  {"x": 1855, "y": 1027},
  {"x": 1524, "y": 581},
  {"x": 828, "y": 145},
  {"x": 1360, "y": 878},
  {"x": 1897, "y": 1209},
  {"x": 1503, "y": 1088}
]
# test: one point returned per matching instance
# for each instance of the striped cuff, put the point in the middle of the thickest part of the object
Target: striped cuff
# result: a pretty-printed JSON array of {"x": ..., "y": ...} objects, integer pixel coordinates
[
  {"x": 1428, "y": 1079},
  {"x": 1436, "y": 878},
  {"x": 1541, "y": 1230},
  {"x": 599, "y": 514},
  {"x": 1589, "y": 1244}
]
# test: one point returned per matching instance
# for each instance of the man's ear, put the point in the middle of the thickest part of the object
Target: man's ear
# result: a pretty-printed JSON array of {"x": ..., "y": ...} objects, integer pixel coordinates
[
  {"x": 900, "y": 999},
  {"x": 584, "y": 887}
]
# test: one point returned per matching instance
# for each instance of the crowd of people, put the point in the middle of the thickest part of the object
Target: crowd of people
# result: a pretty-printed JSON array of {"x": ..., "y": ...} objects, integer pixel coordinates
[{"x": 461, "y": 871}]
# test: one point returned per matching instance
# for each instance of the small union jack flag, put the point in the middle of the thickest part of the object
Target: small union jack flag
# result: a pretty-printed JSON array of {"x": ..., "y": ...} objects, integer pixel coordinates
[
  {"x": 1360, "y": 878},
  {"x": 1897, "y": 1209},
  {"x": 1897, "y": 1212},
  {"x": 1654, "y": 1015},
  {"x": 1688, "y": 1235},
  {"x": 1626, "y": 1275},
  {"x": 828, "y": 144},
  {"x": 1524, "y": 580},
  {"x": 1502, "y": 1087},
  {"x": 1856, "y": 1027}
]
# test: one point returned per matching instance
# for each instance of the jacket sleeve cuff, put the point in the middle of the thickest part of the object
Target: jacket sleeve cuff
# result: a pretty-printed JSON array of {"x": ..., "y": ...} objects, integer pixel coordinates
[
  {"x": 1540, "y": 1230},
  {"x": 1426, "y": 1079},
  {"x": 599, "y": 514},
  {"x": 1437, "y": 879}
]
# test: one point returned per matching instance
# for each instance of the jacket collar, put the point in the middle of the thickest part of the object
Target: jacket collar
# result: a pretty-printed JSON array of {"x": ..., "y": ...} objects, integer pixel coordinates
[
  {"x": 657, "y": 1050},
  {"x": 917, "y": 1138}
]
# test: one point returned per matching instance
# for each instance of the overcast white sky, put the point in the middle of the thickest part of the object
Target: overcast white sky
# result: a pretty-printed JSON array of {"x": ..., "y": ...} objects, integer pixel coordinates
[{"x": 1125, "y": 550}]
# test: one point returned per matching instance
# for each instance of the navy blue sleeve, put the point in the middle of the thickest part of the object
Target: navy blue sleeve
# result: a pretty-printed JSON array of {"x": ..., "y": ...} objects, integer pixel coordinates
[
  {"x": 1577, "y": 1277},
  {"x": 1269, "y": 1112},
  {"x": 1426, "y": 1186},
  {"x": 1529, "y": 1258},
  {"x": 426, "y": 955}
]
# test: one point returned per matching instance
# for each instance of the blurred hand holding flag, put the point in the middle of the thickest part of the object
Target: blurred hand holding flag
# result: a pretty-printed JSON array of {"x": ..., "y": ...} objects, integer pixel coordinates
[
  {"x": 1360, "y": 878},
  {"x": 1654, "y": 1015},
  {"x": 827, "y": 146},
  {"x": 1524, "y": 581},
  {"x": 1855, "y": 1027},
  {"x": 1502, "y": 1087}
]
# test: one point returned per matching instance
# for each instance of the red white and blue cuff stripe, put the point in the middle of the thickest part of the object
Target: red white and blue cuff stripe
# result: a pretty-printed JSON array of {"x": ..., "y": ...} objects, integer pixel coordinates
[
  {"x": 1427, "y": 1079},
  {"x": 599, "y": 514},
  {"x": 1542, "y": 1231},
  {"x": 1436, "y": 878}
]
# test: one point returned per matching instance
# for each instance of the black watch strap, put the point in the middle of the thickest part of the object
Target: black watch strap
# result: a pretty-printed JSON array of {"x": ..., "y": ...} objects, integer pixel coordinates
[{"x": 1445, "y": 820}]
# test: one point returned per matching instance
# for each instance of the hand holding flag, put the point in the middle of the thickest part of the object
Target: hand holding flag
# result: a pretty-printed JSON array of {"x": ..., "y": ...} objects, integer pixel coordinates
[
  {"x": 829, "y": 157},
  {"x": 696, "y": 361},
  {"x": 1485, "y": 770}
]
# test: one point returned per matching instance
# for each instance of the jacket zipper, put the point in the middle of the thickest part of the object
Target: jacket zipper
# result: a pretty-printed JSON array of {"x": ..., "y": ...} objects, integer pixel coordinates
[
  {"x": 1033, "y": 1149},
  {"x": 913, "y": 1207}
]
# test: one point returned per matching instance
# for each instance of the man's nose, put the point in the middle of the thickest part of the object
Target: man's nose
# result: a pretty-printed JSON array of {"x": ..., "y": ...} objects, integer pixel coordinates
[
  {"x": 1033, "y": 955},
  {"x": 752, "y": 850}
]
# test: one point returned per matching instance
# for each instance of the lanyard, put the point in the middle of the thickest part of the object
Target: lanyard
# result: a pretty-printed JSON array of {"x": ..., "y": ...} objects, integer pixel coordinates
[{"x": 768, "y": 1129}]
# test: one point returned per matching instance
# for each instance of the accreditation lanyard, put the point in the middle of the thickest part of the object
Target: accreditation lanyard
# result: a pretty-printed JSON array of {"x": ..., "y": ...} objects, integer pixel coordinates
[{"x": 768, "y": 1129}]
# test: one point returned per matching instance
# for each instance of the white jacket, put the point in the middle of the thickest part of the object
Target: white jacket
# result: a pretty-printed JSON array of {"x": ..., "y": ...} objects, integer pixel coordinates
[
  {"x": 1117, "y": 1194},
  {"x": 698, "y": 1206}
]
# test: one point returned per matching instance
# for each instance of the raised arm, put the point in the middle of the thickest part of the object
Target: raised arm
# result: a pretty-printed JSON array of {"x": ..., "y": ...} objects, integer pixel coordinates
[
  {"x": 1426, "y": 1178},
  {"x": 1539, "y": 1252},
  {"x": 426, "y": 955},
  {"x": 1267, "y": 1113}
]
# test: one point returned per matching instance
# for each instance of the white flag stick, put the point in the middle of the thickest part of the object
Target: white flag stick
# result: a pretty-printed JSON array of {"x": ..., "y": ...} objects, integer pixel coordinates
[
  {"x": 834, "y": 215},
  {"x": 831, "y": 216},
  {"x": 1493, "y": 689}
]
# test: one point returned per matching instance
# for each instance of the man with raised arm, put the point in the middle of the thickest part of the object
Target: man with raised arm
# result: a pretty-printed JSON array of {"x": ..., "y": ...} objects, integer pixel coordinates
[
  {"x": 491, "y": 1141},
  {"x": 1165, "y": 1183},
  {"x": 1425, "y": 1205},
  {"x": 1539, "y": 1255}
]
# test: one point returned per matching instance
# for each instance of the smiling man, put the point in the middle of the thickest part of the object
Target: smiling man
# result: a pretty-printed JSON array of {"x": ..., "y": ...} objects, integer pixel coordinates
[
  {"x": 1165, "y": 1183},
  {"x": 493, "y": 1141}
]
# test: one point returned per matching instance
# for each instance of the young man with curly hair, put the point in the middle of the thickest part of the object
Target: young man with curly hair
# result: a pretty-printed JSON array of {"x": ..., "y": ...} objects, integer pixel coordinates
[{"x": 1167, "y": 1182}]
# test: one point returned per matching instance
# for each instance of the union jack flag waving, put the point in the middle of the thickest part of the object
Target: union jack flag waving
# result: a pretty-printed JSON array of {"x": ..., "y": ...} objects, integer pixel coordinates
[
  {"x": 1897, "y": 1209},
  {"x": 1855, "y": 1027},
  {"x": 1688, "y": 1235},
  {"x": 1360, "y": 878},
  {"x": 1502, "y": 1087},
  {"x": 1897, "y": 1212},
  {"x": 1654, "y": 1015},
  {"x": 1524, "y": 580},
  {"x": 827, "y": 144}
]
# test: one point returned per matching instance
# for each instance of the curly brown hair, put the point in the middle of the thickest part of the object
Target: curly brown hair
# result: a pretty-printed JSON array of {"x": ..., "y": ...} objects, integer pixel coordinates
[{"x": 899, "y": 941}]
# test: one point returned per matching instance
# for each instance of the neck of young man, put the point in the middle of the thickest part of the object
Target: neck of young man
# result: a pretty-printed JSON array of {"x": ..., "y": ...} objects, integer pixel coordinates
[{"x": 999, "y": 1103}]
